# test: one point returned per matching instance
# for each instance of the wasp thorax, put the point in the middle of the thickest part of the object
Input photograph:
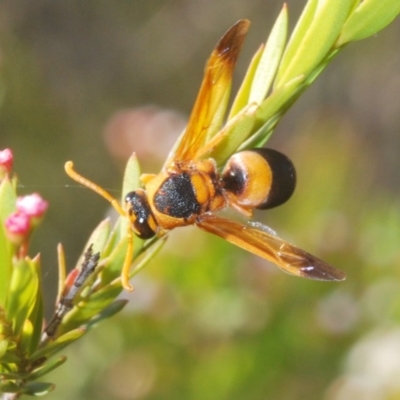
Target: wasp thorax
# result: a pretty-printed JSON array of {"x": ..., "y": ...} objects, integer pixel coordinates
[
  {"x": 140, "y": 215},
  {"x": 259, "y": 178}
]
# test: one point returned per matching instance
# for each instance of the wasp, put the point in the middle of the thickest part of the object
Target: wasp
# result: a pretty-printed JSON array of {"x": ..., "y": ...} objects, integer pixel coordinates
[{"x": 191, "y": 190}]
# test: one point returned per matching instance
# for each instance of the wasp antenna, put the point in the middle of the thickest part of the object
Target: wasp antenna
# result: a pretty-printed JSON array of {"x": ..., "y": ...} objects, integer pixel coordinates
[{"x": 69, "y": 169}]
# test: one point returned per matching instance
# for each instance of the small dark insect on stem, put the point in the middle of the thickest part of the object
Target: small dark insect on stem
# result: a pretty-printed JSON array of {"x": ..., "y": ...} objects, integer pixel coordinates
[{"x": 66, "y": 302}]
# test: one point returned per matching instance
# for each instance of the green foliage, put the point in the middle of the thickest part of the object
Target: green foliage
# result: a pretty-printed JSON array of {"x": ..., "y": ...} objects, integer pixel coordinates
[{"x": 321, "y": 32}]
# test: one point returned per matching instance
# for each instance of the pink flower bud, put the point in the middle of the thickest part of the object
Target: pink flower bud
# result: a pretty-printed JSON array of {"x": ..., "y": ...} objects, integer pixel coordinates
[
  {"x": 18, "y": 227},
  {"x": 6, "y": 162},
  {"x": 32, "y": 205}
]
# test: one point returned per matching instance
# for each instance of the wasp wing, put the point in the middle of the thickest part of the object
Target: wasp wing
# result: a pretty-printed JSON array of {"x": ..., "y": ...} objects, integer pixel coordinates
[
  {"x": 209, "y": 109},
  {"x": 270, "y": 247}
]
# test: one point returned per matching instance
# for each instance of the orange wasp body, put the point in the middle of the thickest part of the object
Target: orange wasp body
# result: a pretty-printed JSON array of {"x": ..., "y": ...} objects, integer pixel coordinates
[{"x": 190, "y": 189}]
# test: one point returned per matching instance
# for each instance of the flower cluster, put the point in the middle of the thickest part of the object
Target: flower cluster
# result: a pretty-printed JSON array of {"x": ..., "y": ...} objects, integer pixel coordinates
[{"x": 29, "y": 209}]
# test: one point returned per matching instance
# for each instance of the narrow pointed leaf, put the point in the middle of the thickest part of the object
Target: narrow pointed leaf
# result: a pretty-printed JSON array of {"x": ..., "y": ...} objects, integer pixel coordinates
[
  {"x": 46, "y": 368},
  {"x": 115, "y": 261},
  {"x": 85, "y": 311},
  {"x": 278, "y": 99},
  {"x": 270, "y": 59},
  {"x": 7, "y": 207},
  {"x": 260, "y": 137},
  {"x": 237, "y": 130},
  {"x": 242, "y": 97},
  {"x": 26, "y": 336},
  {"x": 58, "y": 344},
  {"x": 314, "y": 40},
  {"x": 3, "y": 347},
  {"x": 8, "y": 199},
  {"x": 5, "y": 265},
  {"x": 38, "y": 389},
  {"x": 297, "y": 36},
  {"x": 36, "y": 315},
  {"x": 62, "y": 270},
  {"x": 269, "y": 113},
  {"x": 130, "y": 182},
  {"x": 97, "y": 239},
  {"x": 114, "y": 308},
  {"x": 10, "y": 358},
  {"x": 131, "y": 179},
  {"x": 370, "y": 17},
  {"x": 22, "y": 293},
  {"x": 152, "y": 249},
  {"x": 9, "y": 387}
]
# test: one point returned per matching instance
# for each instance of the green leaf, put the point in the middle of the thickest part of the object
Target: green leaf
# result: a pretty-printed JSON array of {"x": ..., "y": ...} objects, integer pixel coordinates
[
  {"x": 38, "y": 389},
  {"x": 10, "y": 358},
  {"x": 3, "y": 347},
  {"x": 259, "y": 138},
  {"x": 316, "y": 32},
  {"x": 99, "y": 304},
  {"x": 152, "y": 248},
  {"x": 46, "y": 368},
  {"x": 8, "y": 199},
  {"x": 270, "y": 59},
  {"x": 130, "y": 182},
  {"x": 98, "y": 239},
  {"x": 114, "y": 308},
  {"x": 36, "y": 316},
  {"x": 277, "y": 102},
  {"x": 242, "y": 96},
  {"x": 131, "y": 179},
  {"x": 5, "y": 265},
  {"x": 369, "y": 17},
  {"x": 22, "y": 293},
  {"x": 13, "y": 375},
  {"x": 58, "y": 344},
  {"x": 26, "y": 336},
  {"x": 9, "y": 387},
  {"x": 271, "y": 111},
  {"x": 115, "y": 262},
  {"x": 86, "y": 310},
  {"x": 220, "y": 112},
  {"x": 296, "y": 38},
  {"x": 7, "y": 206},
  {"x": 238, "y": 129}
]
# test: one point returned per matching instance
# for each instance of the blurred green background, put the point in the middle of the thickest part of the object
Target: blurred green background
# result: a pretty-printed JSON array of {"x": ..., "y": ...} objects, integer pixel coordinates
[{"x": 210, "y": 321}]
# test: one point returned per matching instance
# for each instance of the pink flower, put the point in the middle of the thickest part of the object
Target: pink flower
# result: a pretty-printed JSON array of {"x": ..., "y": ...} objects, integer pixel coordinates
[
  {"x": 6, "y": 162},
  {"x": 18, "y": 226},
  {"x": 33, "y": 205}
]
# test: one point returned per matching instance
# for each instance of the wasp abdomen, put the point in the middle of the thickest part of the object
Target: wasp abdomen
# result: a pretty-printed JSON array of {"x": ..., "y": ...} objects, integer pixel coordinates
[
  {"x": 176, "y": 197},
  {"x": 259, "y": 178}
]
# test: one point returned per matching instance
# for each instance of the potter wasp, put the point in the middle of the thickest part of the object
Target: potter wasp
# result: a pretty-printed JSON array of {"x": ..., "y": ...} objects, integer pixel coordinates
[{"x": 190, "y": 189}]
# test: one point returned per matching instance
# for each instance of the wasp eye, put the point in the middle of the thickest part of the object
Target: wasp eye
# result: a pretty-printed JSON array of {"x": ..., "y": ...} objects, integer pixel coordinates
[{"x": 140, "y": 215}]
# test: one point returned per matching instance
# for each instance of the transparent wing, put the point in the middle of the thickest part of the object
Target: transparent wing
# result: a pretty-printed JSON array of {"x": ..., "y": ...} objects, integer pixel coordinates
[
  {"x": 270, "y": 247},
  {"x": 209, "y": 109}
]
